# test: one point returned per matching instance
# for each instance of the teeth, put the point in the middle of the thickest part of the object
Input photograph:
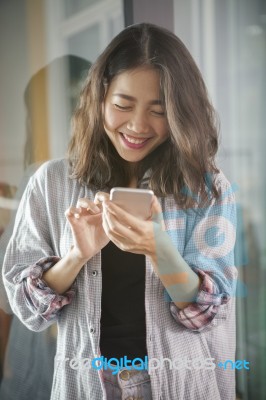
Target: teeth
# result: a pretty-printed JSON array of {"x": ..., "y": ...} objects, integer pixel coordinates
[{"x": 135, "y": 141}]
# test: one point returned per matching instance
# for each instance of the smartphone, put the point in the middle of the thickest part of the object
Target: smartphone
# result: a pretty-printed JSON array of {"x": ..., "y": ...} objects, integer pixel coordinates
[{"x": 135, "y": 201}]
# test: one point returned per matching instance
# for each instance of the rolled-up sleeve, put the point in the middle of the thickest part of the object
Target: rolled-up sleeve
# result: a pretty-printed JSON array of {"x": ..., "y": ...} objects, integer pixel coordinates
[
  {"x": 39, "y": 297},
  {"x": 199, "y": 314},
  {"x": 209, "y": 251},
  {"x": 30, "y": 252}
]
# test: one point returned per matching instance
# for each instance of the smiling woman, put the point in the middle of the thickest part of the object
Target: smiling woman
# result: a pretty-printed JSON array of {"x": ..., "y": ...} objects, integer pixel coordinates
[
  {"x": 117, "y": 285},
  {"x": 134, "y": 119},
  {"x": 154, "y": 72}
]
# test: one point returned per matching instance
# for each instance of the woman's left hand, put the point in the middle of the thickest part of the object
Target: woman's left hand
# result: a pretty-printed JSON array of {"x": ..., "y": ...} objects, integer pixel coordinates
[{"x": 130, "y": 233}]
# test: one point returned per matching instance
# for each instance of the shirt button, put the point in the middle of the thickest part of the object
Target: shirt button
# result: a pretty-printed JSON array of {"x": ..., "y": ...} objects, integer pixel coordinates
[
  {"x": 94, "y": 273},
  {"x": 125, "y": 375},
  {"x": 92, "y": 330}
]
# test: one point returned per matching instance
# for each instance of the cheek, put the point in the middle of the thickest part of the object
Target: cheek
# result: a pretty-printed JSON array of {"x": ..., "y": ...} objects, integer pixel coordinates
[
  {"x": 112, "y": 119},
  {"x": 164, "y": 131}
]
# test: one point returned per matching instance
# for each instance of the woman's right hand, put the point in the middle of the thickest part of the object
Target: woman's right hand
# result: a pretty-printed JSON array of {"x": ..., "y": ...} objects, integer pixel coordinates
[{"x": 86, "y": 225}]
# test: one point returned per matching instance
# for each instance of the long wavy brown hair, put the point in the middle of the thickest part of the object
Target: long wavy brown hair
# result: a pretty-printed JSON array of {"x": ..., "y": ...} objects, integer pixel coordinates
[{"x": 182, "y": 165}]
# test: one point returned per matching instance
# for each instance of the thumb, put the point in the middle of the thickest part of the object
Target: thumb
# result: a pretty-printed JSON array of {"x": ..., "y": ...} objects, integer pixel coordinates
[{"x": 157, "y": 214}]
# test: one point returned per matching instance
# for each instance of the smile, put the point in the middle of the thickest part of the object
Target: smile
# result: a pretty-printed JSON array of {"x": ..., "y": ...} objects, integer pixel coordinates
[
  {"x": 133, "y": 143},
  {"x": 132, "y": 140}
]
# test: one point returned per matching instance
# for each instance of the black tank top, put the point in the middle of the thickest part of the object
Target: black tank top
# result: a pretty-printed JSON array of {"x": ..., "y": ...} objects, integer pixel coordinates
[{"x": 123, "y": 327}]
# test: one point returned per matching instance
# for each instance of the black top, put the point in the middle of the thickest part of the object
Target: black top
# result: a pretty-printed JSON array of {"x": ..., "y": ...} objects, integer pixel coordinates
[{"x": 123, "y": 328}]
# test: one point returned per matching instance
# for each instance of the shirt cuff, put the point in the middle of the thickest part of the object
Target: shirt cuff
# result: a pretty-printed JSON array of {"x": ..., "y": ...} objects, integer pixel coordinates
[
  {"x": 40, "y": 298},
  {"x": 200, "y": 313}
]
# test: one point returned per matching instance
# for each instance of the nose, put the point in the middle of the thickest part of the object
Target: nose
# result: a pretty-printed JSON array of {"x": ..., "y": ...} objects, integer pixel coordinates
[{"x": 138, "y": 123}]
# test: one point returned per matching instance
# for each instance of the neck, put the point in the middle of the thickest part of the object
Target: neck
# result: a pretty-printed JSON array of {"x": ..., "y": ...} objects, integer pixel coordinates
[
  {"x": 133, "y": 175},
  {"x": 133, "y": 183}
]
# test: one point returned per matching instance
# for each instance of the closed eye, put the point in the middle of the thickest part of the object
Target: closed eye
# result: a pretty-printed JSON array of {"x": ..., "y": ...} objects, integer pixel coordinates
[
  {"x": 123, "y": 108},
  {"x": 159, "y": 113}
]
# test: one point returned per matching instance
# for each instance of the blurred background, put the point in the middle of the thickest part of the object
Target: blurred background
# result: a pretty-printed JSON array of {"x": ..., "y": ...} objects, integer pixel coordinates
[{"x": 46, "y": 49}]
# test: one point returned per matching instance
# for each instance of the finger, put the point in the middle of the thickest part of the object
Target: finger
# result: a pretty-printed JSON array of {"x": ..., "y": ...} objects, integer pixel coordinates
[
  {"x": 123, "y": 237},
  {"x": 121, "y": 215},
  {"x": 155, "y": 206},
  {"x": 106, "y": 227},
  {"x": 100, "y": 197},
  {"x": 116, "y": 238},
  {"x": 88, "y": 205},
  {"x": 113, "y": 226},
  {"x": 73, "y": 212},
  {"x": 157, "y": 214}
]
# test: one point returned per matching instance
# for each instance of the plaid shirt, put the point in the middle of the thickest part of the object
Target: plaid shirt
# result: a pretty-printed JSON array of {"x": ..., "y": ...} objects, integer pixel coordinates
[{"x": 204, "y": 329}]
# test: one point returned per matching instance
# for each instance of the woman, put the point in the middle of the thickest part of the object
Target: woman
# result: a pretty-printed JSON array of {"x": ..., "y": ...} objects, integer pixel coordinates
[{"x": 120, "y": 287}]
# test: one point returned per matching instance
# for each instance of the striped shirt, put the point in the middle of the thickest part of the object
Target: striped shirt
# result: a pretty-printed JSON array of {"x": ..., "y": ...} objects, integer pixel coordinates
[{"x": 189, "y": 343}]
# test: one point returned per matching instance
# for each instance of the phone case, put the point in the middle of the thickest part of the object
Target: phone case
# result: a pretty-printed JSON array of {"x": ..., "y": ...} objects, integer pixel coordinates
[{"x": 135, "y": 201}]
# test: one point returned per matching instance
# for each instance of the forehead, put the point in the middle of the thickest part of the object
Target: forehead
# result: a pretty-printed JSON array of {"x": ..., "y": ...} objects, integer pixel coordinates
[{"x": 137, "y": 81}]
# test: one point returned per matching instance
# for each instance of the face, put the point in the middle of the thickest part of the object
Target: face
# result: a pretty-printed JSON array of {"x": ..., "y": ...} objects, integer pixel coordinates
[{"x": 134, "y": 118}]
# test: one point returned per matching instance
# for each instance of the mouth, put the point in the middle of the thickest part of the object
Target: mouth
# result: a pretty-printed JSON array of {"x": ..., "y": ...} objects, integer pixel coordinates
[{"x": 133, "y": 142}]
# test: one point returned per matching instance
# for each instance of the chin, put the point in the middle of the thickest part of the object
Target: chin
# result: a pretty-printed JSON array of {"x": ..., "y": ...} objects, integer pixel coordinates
[{"x": 132, "y": 159}]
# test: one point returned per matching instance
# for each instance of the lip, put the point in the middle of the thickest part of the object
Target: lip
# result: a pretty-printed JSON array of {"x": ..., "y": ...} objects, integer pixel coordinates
[{"x": 133, "y": 145}]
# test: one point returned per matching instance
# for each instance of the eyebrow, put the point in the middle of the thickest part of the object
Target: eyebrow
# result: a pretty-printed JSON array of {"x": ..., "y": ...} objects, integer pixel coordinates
[{"x": 131, "y": 98}]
